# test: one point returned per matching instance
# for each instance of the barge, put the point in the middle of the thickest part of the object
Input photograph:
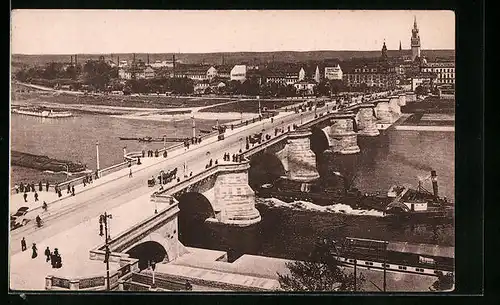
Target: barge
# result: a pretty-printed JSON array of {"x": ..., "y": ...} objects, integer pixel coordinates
[
  {"x": 43, "y": 113},
  {"x": 399, "y": 202},
  {"x": 45, "y": 163}
]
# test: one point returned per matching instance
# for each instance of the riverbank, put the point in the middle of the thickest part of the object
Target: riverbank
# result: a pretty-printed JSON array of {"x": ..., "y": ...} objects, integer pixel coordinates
[{"x": 44, "y": 163}]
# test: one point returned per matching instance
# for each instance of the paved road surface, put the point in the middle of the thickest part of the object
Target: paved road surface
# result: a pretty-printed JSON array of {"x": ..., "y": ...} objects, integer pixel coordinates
[{"x": 106, "y": 196}]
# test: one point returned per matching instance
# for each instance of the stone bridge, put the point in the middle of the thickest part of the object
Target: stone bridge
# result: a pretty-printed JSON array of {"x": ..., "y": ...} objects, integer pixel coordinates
[{"x": 222, "y": 192}]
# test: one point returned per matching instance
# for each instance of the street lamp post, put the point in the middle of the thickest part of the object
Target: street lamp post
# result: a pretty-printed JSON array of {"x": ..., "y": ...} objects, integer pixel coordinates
[
  {"x": 67, "y": 171},
  {"x": 97, "y": 157},
  {"x": 152, "y": 264},
  {"x": 104, "y": 218}
]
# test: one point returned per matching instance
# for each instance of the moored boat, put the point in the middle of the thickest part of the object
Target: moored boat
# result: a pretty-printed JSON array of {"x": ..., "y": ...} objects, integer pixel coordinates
[
  {"x": 398, "y": 202},
  {"x": 44, "y": 113}
]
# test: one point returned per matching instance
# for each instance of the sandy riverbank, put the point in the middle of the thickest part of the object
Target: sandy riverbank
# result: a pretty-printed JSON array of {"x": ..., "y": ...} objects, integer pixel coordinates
[{"x": 228, "y": 116}]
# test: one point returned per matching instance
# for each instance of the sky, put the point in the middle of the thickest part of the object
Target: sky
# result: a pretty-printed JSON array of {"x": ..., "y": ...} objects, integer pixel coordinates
[{"x": 128, "y": 31}]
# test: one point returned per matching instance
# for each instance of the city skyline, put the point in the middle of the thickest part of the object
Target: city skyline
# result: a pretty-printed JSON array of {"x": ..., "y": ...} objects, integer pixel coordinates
[{"x": 70, "y": 32}]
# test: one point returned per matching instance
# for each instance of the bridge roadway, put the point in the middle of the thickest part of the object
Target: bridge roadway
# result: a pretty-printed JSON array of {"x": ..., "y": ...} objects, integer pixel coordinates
[
  {"x": 96, "y": 200},
  {"x": 73, "y": 225}
]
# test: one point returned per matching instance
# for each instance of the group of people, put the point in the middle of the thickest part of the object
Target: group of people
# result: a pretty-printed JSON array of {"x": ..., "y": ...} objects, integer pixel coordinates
[
  {"x": 151, "y": 153},
  {"x": 87, "y": 180},
  {"x": 234, "y": 157},
  {"x": 30, "y": 187},
  {"x": 210, "y": 163},
  {"x": 54, "y": 257}
]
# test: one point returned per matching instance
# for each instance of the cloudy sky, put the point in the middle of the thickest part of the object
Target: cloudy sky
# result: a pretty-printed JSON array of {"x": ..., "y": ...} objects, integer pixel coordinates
[{"x": 100, "y": 31}]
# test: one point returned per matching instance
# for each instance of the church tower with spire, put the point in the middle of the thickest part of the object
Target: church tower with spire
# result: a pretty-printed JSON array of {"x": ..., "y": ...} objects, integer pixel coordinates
[
  {"x": 415, "y": 41},
  {"x": 384, "y": 51}
]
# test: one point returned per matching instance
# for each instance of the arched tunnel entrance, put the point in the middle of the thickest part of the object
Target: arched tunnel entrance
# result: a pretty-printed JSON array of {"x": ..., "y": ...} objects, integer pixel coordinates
[
  {"x": 148, "y": 251},
  {"x": 195, "y": 208},
  {"x": 264, "y": 168}
]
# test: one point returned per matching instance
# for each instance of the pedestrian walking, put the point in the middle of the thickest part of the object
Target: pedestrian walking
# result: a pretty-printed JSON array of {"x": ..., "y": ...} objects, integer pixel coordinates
[
  {"x": 32, "y": 187},
  {"x": 73, "y": 190},
  {"x": 130, "y": 174},
  {"x": 68, "y": 189},
  {"x": 36, "y": 196},
  {"x": 47, "y": 186},
  {"x": 34, "y": 254},
  {"x": 59, "y": 193},
  {"x": 58, "y": 261},
  {"x": 25, "y": 197},
  {"x": 17, "y": 188},
  {"x": 90, "y": 179},
  {"x": 52, "y": 260},
  {"x": 84, "y": 183},
  {"x": 44, "y": 206},
  {"x": 23, "y": 244},
  {"x": 47, "y": 253},
  {"x": 21, "y": 187},
  {"x": 40, "y": 186}
]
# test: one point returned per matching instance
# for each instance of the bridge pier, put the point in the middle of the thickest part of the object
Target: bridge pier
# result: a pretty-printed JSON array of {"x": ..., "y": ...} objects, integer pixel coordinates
[
  {"x": 366, "y": 120},
  {"x": 298, "y": 160},
  {"x": 234, "y": 202},
  {"x": 410, "y": 97},
  {"x": 394, "y": 107},
  {"x": 342, "y": 135},
  {"x": 382, "y": 111},
  {"x": 402, "y": 99}
]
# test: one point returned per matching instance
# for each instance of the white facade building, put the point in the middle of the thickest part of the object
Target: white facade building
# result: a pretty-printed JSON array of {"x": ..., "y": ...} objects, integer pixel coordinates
[
  {"x": 124, "y": 74},
  {"x": 333, "y": 72},
  {"x": 211, "y": 72},
  {"x": 445, "y": 71},
  {"x": 239, "y": 73}
]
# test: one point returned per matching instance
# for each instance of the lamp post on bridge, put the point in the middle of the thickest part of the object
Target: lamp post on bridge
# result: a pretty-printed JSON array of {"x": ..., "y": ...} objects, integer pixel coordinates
[
  {"x": 97, "y": 158},
  {"x": 104, "y": 219},
  {"x": 152, "y": 265}
]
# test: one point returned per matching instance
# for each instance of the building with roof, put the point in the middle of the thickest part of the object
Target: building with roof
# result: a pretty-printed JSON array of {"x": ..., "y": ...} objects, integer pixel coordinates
[
  {"x": 239, "y": 73},
  {"x": 382, "y": 75},
  {"x": 333, "y": 72},
  {"x": 284, "y": 74},
  {"x": 445, "y": 71},
  {"x": 426, "y": 79},
  {"x": 305, "y": 87}
]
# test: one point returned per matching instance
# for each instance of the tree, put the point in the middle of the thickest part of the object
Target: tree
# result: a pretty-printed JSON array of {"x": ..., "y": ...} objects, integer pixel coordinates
[
  {"x": 323, "y": 89},
  {"x": 420, "y": 90},
  {"x": 337, "y": 86},
  {"x": 320, "y": 273},
  {"x": 444, "y": 282}
]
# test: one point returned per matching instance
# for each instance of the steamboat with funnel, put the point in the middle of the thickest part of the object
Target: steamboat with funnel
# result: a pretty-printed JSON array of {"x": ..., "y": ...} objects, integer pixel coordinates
[{"x": 400, "y": 201}]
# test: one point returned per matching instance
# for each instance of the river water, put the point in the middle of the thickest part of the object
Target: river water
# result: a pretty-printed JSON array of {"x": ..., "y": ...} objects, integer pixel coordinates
[
  {"x": 74, "y": 139},
  {"x": 285, "y": 231}
]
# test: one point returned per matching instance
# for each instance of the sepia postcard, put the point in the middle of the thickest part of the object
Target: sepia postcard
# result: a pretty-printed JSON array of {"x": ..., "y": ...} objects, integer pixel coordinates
[{"x": 233, "y": 151}]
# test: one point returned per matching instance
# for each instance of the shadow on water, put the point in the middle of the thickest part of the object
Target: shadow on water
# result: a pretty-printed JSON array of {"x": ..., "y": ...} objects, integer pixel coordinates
[{"x": 288, "y": 232}]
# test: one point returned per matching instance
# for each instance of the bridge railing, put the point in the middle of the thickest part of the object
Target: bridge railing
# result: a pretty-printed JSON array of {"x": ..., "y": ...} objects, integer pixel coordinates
[
  {"x": 117, "y": 244},
  {"x": 94, "y": 282}
]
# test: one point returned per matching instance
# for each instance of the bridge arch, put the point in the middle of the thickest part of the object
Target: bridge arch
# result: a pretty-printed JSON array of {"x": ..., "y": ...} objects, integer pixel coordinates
[
  {"x": 195, "y": 208},
  {"x": 150, "y": 250},
  {"x": 319, "y": 140},
  {"x": 264, "y": 168}
]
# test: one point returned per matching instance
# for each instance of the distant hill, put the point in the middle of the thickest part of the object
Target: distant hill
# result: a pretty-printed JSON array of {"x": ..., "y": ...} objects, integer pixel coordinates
[{"x": 230, "y": 58}]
